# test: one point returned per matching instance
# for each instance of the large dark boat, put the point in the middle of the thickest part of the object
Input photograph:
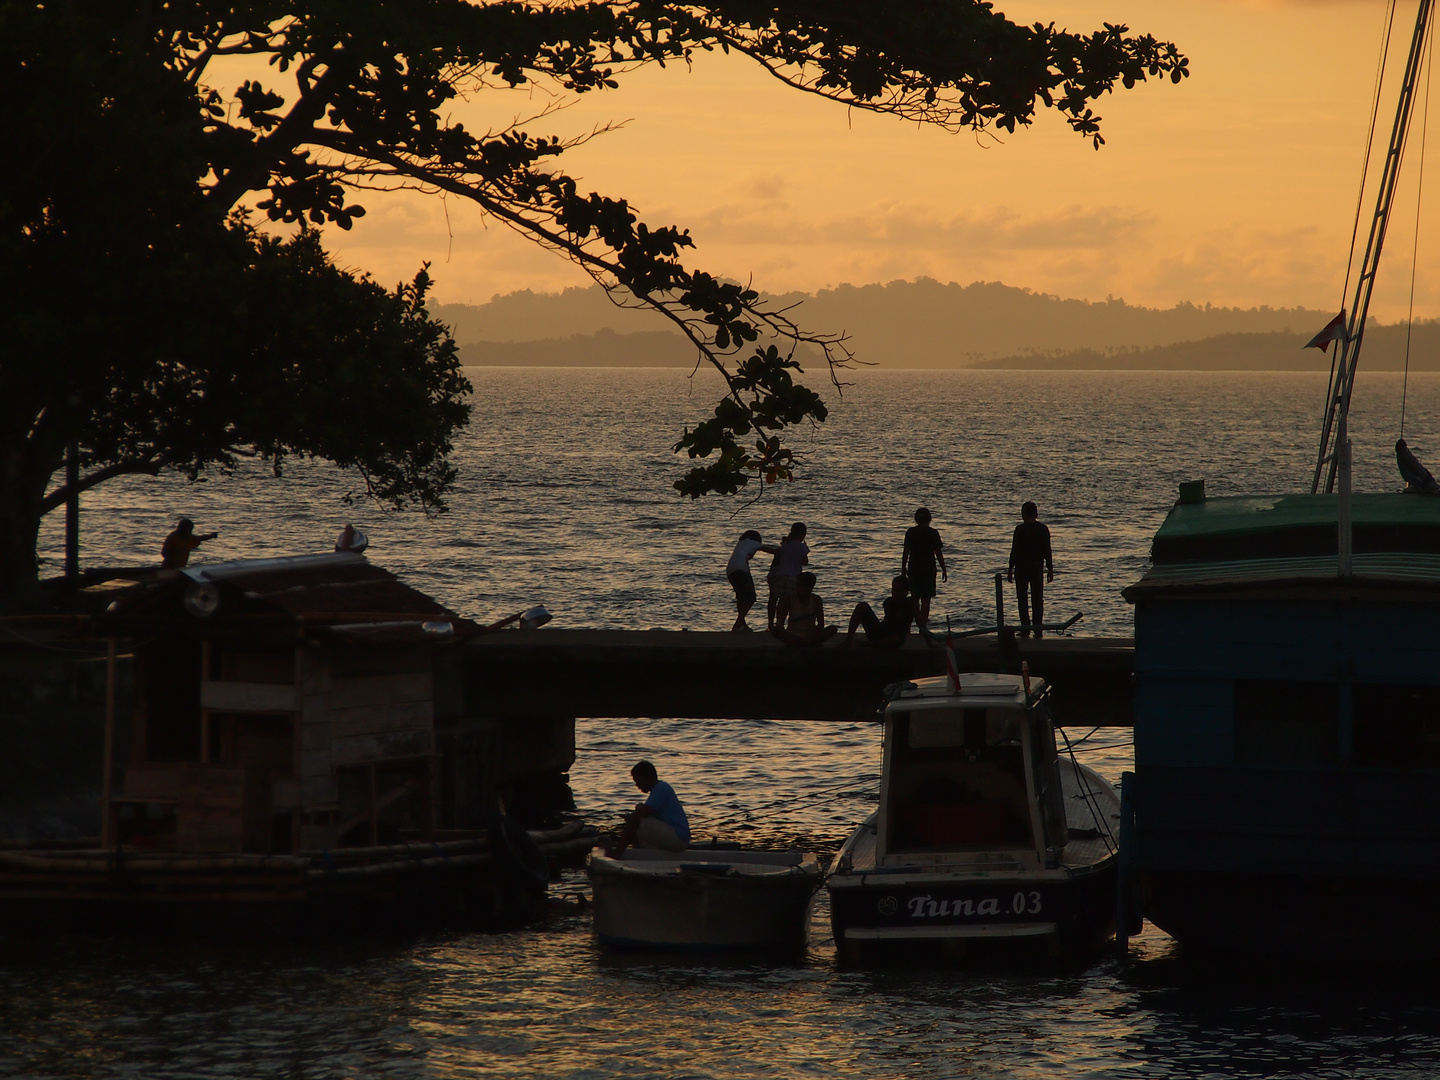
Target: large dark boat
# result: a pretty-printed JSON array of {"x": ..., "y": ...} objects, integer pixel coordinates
[
  {"x": 985, "y": 838},
  {"x": 1287, "y": 693},
  {"x": 1287, "y": 727}
]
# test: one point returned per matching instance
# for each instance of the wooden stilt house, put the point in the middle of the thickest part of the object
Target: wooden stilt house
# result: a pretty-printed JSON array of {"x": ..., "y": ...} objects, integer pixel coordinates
[{"x": 281, "y": 705}]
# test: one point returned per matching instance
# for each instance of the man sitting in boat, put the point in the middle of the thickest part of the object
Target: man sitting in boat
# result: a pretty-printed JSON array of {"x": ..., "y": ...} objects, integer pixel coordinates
[{"x": 659, "y": 822}]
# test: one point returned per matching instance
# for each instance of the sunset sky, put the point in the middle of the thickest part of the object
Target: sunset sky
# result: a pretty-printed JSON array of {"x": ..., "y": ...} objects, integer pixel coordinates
[{"x": 1236, "y": 187}]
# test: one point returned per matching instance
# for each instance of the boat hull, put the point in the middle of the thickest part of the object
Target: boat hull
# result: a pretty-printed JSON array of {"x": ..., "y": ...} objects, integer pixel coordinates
[
  {"x": 699, "y": 907},
  {"x": 1329, "y": 919},
  {"x": 1052, "y": 911}
]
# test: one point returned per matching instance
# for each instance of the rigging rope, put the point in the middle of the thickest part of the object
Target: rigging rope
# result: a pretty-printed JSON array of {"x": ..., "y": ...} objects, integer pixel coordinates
[
  {"x": 1388, "y": 22},
  {"x": 1369, "y": 146},
  {"x": 1415, "y": 250}
]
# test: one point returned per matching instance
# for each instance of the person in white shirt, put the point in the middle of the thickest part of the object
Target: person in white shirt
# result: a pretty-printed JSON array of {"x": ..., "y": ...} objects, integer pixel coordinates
[{"x": 737, "y": 572}]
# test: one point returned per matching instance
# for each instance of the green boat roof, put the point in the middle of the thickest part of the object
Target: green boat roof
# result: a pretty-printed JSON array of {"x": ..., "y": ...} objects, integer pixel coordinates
[
  {"x": 1253, "y": 513},
  {"x": 1240, "y": 527}
]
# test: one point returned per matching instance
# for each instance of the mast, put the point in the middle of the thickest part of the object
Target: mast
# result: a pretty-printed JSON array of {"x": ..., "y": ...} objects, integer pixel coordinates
[{"x": 1335, "y": 452}]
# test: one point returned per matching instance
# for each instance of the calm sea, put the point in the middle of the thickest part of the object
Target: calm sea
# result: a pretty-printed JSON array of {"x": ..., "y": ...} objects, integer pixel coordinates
[{"x": 564, "y": 499}]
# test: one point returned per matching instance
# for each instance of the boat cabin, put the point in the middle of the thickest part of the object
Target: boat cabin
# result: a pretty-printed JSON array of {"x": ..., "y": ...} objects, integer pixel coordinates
[
  {"x": 970, "y": 779},
  {"x": 1287, "y": 715},
  {"x": 280, "y": 705}
]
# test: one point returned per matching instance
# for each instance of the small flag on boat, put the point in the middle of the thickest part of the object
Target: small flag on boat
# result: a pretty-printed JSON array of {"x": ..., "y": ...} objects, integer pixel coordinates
[
  {"x": 1334, "y": 331},
  {"x": 950, "y": 667}
]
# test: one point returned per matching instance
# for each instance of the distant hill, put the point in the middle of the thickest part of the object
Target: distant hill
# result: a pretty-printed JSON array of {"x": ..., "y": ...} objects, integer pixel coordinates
[
  {"x": 922, "y": 323},
  {"x": 604, "y": 348},
  {"x": 1382, "y": 350}
]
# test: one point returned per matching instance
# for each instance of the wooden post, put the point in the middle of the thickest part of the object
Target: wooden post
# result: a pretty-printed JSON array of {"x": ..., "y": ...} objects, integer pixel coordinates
[
  {"x": 106, "y": 827},
  {"x": 204, "y": 712},
  {"x": 297, "y": 740},
  {"x": 999, "y": 602},
  {"x": 72, "y": 516},
  {"x": 374, "y": 824},
  {"x": 1124, "y": 889}
]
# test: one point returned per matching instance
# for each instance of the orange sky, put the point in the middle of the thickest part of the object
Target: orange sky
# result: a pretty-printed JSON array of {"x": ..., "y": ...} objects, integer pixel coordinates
[{"x": 1237, "y": 187}]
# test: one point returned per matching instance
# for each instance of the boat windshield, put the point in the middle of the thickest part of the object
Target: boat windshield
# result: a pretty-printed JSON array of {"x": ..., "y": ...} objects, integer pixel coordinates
[{"x": 957, "y": 780}]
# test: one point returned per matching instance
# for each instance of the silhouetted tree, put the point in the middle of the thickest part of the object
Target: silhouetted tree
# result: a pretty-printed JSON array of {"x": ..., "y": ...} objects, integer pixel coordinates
[{"x": 136, "y": 281}]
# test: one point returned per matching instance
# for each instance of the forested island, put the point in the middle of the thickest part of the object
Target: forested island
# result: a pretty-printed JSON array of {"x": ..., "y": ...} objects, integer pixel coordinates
[{"x": 927, "y": 324}]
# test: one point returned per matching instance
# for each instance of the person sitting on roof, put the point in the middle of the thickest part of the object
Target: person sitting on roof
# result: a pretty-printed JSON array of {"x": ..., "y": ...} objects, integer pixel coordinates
[
  {"x": 1418, "y": 480},
  {"x": 659, "y": 823},
  {"x": 351, "y": 539},
  {"x": 175, "y": 552}
]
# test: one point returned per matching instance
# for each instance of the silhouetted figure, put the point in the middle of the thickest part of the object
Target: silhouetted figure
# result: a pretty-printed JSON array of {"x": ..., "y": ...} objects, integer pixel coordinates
[
  {"x": 175, "y": 552},
  {"x": 659, "y": 822},
  {"x": 351, "y": 539},
  {"x": 737, "y": 572},
  {"x": 785, "y": 571},
  {"x": 1418, "y": 480},
  {"x": 891, "y": 631},
  {"x": 800, "y": 618},
  {"x": 1031, "y": 566},
  {"x": 923, "y": 553}
]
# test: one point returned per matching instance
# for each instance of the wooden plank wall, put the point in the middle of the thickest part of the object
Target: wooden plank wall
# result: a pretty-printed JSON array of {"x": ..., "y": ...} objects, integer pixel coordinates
[{"x": 350, "y": 717}]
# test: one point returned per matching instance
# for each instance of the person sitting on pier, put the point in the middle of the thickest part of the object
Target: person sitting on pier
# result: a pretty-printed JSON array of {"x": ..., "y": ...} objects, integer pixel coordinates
[
  {"x": 1031, "y": 567},
  {"x": 659, "y": 823},
  {"x": 800, "y": 618},
  {"x": 891, "y": 631},
  {"x": 175, "y": 552}
]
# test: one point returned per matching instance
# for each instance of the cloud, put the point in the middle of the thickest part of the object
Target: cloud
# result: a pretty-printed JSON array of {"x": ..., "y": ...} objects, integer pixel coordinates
[{"x": 917, "y": 227}]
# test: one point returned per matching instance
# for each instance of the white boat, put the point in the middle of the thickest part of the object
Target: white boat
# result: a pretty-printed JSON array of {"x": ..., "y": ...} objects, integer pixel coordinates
[
  {"x": 985, "y": 839},
  {"x": 703, "y": 900}
]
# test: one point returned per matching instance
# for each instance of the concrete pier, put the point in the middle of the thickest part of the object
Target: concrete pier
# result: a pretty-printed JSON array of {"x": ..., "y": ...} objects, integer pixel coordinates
[{"x": 544, "y": 674}]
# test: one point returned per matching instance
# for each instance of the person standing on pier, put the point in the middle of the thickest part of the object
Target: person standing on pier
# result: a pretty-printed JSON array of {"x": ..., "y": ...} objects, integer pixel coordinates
[
  {"x": 737, "y": 572},
  {"x": 175, "y": 552},
  {"x": 1031, "y": 567},
  {"x": 785, "y": 571},
  {"x": 659, "y": 823},
  {"x": 923, "y": 553}
]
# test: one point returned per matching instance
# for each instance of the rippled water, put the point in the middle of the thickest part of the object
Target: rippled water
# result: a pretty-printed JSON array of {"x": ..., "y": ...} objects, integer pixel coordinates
[
  {"x": 564, "y": 499},
  {"x": 564, "y": 494}
]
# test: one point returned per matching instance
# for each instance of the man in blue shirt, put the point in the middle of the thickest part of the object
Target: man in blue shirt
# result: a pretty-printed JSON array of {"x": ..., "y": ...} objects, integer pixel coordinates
[{"x": 659, "y": 822}]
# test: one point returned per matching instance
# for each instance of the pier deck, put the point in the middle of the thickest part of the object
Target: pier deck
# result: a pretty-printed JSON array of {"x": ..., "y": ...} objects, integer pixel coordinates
[{"x": 553, "y": 673}]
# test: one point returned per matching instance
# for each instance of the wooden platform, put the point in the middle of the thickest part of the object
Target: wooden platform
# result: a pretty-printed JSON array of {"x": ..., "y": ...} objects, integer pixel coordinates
[{"x": 552, "y": 673}]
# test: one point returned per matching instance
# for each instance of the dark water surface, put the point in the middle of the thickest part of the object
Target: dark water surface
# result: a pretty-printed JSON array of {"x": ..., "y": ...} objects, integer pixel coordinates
[{"x": 564, "y": 499}]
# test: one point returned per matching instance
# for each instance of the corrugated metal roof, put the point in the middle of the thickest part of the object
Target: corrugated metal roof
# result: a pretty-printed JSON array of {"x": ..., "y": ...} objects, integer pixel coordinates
[
  {"x": 1250, "y": 513},
  {"x": 1406, "y": 570},
  {"x": 1248, "y": 527},
  {"x": 344, "y": 591}
]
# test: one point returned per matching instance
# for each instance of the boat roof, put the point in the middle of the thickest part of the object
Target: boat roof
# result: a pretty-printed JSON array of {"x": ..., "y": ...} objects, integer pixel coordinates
[
  {"x": 1260, "y": 526},
  {"x": 978, "y": 690},
  {"x": 1267, "y": 541}
]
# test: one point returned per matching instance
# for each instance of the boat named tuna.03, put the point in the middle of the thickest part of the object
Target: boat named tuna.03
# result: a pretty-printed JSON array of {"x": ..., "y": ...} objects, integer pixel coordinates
[{"x": 985, "y": 840}]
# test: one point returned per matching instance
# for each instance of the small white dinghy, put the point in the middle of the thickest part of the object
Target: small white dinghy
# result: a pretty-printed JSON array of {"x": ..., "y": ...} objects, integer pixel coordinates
[{"x": 703, "y": 900}]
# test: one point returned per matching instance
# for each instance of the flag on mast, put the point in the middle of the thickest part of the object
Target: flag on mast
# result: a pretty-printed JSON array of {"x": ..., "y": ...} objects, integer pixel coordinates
[
  {"x": 950, "y": 667},
  {"x": 1334, "y": 331}
]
